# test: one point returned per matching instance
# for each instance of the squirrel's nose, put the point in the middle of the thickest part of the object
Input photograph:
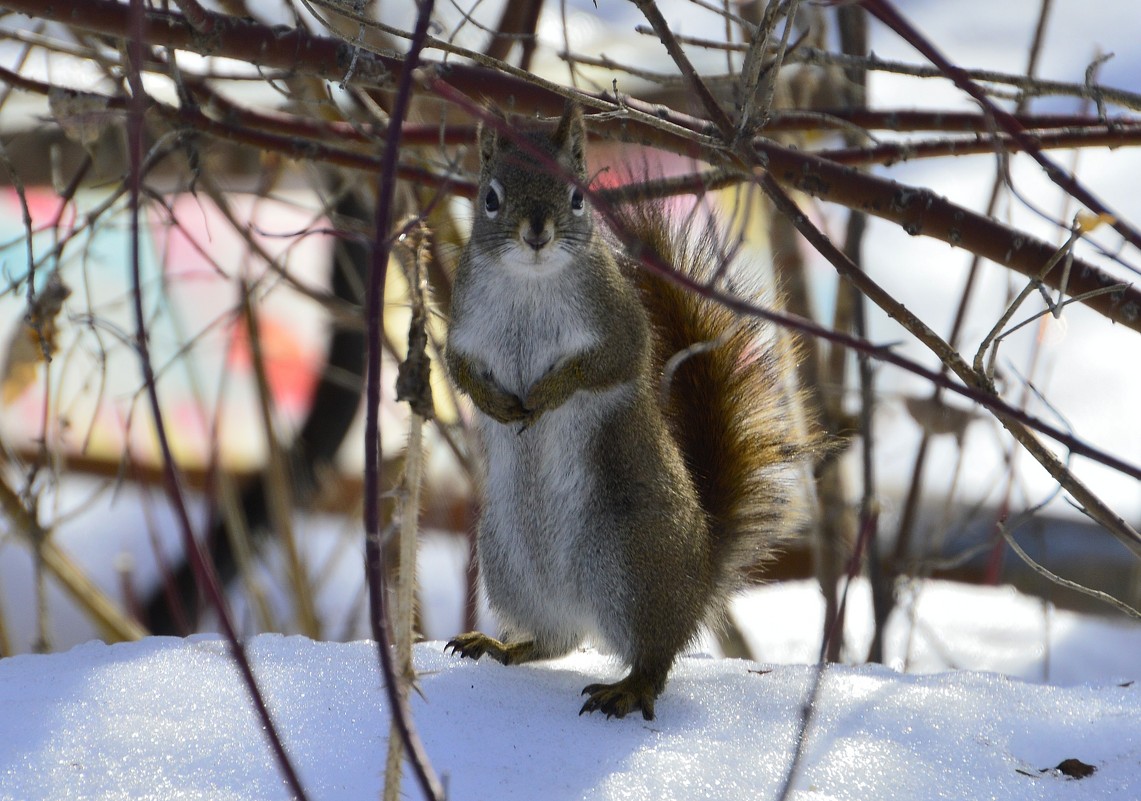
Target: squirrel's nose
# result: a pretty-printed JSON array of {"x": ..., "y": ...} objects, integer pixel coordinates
[{"x": 537, "y": 231}]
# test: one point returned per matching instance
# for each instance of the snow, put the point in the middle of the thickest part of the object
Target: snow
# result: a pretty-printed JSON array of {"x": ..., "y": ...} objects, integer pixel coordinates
[{"x": 168, "y": 718}]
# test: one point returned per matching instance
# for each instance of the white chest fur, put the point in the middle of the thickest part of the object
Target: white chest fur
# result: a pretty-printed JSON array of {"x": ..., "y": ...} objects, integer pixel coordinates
[
  {"x": 538, "y": 482},
  {"x": 519, "y": 323}
]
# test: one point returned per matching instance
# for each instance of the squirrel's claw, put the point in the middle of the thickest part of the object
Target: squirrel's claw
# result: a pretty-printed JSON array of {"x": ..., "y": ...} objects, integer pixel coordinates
[
  {"x": 621, "y": 698},
  {"x": 473, "y": 645}
]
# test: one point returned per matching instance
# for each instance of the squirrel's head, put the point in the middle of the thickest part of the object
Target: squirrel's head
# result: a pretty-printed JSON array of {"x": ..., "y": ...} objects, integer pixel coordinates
[{"x": 527, "y": 213}]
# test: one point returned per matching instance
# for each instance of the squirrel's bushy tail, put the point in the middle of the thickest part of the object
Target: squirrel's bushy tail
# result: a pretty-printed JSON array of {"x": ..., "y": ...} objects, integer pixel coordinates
[{"x": 729, "y": 395}]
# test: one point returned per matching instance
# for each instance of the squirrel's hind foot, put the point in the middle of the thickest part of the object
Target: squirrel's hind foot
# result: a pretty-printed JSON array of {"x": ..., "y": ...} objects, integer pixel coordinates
[
  {"x": 636, "y": 691},
  {"x": 474, "y": 644}
]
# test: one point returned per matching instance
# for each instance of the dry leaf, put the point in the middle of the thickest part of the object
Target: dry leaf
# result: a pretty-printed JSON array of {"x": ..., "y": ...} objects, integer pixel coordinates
[
  {"x": 82, "y": 116},
  {"x": 937, "y": 417},
  {"x": 1086, "y": 222},
  {"x": 1074, "y": 768},
  {"x": 34, "y": 340}
]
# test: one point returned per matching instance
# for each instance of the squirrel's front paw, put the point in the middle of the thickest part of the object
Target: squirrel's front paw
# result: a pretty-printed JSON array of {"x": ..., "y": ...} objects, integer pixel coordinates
[
  {"x": 474, "y": 644},
  {"x": 549, "y": 392},
  {"x": 504, "y": 408}
]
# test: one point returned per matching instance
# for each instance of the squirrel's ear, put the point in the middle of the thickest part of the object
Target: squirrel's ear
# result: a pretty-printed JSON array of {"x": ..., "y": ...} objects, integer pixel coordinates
[
  {"x": 489, "y": 136},
  {"x": 570, "y": 136}
]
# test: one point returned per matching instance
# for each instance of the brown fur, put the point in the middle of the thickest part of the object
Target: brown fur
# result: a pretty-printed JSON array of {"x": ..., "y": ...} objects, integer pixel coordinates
[{"x": 728, "y": 404}]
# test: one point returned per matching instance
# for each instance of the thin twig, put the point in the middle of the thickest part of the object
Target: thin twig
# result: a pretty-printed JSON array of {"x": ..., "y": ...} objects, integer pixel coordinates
[
  {"x": 204, "y": 571},
  {"x": 807, "y": 713},
  {"x": 717, "y": 114},
  {"x": 279, "y": 495},
  {"x": 890, "y": 153},
  {"x": 374, "y": 552},
  {"x": 1026, "y": 85},
  {"x": 894, "y": 20},
  {"x": 929, "y": 213},
  {"x": 412, "y": 385},
  {"x": 1121, "y": 606},
  {"x": 107, "y": 616},
  {"x": 754, "y": 67},
  {"x": 911, "y": 500},
  {"x": 1012, "y": 419},
  {"x": 853, "y": 32}
]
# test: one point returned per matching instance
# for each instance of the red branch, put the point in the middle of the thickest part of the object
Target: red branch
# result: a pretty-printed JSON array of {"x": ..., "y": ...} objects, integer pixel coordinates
[
  {"x": 204, "y": 572},
  {"x": 918, "y": 211},
  {"x": 374, "y": 551}
]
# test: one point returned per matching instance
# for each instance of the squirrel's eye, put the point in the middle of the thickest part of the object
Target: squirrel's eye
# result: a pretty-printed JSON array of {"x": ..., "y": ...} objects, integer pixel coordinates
[
  {"x": 576, "y": 201},
  {"x": 493, "y": 199}
]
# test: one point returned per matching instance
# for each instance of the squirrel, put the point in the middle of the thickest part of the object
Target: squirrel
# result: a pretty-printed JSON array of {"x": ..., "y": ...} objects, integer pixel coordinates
[{"x": 609, "y": 512}]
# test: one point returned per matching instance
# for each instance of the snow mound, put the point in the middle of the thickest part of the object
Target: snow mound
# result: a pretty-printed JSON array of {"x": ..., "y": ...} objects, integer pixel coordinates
[{"x": 169, "y": 719}]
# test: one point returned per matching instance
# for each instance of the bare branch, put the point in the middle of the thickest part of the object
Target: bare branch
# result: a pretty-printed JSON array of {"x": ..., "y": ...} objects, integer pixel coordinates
[
  {"x": 203, "y": 569},
  {"x": 887, "y": 14},
  {"x": 374, "y": 554}
]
